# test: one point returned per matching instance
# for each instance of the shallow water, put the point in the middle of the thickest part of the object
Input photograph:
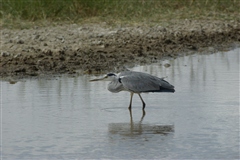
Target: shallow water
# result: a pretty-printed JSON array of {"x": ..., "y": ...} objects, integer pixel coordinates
[{"x": 71, "y": 118}]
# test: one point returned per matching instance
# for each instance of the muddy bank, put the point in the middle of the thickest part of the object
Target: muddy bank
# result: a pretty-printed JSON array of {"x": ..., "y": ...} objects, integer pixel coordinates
[{"x": 96, "y": 48}]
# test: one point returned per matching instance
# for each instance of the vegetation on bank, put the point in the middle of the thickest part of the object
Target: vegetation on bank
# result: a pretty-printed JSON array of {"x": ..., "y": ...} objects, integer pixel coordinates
[{"x": 15, "y": 12}]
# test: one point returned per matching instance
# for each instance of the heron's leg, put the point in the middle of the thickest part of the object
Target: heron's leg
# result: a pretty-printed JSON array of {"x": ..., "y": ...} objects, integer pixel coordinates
[
  {"x": 131, "y": 119},
  {"x": 142, "y": 101},
  {"x": 143, "y": 115},
  {"x": 130, "y": 105}
]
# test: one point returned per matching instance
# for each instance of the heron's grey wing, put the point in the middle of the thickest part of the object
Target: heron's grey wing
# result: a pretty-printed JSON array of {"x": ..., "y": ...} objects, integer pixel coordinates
[
  {"x": 143, "y": 82},
  {"x": 137, "y": 82}
]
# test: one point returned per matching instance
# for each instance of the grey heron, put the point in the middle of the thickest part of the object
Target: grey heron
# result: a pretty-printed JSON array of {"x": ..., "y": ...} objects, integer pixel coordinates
[{"x": 136, "y": 82}]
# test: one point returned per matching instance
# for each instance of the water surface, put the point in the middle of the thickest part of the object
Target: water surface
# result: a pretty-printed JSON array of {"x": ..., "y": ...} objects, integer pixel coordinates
[{"x": 71, "y": 118}]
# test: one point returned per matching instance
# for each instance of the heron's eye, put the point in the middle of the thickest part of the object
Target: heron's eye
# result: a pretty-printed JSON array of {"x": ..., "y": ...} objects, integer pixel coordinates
[{"x": 111, "y": 74}]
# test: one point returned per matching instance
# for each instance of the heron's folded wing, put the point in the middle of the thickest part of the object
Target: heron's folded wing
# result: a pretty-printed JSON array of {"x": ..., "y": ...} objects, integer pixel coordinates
[{"x": 140, "y": 83}]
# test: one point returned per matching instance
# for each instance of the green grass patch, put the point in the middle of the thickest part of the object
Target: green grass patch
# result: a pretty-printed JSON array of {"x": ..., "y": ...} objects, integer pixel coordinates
[{"x": 115, "y": 11}]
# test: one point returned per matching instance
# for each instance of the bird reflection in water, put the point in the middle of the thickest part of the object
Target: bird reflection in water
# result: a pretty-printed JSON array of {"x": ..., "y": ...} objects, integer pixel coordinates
[{"x": 134, "y": 129}]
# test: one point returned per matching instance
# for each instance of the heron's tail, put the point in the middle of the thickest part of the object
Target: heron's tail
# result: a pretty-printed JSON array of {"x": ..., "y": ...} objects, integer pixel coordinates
[
  {"x": 166, "y": 90},
  {"x": 162, "y": 90}
]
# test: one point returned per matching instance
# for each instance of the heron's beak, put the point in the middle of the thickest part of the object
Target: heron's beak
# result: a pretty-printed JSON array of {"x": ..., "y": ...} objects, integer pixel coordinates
[{"x": 98, "y": 79}]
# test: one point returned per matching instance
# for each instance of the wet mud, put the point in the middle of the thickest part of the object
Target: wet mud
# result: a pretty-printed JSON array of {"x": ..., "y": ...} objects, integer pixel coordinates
[{"x": 97, "y": 48}]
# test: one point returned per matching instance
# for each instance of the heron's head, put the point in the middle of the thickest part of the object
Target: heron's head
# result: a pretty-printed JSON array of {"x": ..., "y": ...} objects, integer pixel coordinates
[{"x": 107, "y": 77}]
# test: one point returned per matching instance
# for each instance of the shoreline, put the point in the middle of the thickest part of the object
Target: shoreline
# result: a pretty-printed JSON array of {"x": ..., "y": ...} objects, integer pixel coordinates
[{"x": 99, "y": 48}]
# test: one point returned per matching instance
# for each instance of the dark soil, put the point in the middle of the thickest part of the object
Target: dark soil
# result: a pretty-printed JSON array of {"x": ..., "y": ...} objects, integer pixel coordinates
[{"x": 99, "y": 48}]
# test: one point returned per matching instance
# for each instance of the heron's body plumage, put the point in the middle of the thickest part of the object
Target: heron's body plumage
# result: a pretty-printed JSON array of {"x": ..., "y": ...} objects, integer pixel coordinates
[{"x": 138, "y": 82}]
